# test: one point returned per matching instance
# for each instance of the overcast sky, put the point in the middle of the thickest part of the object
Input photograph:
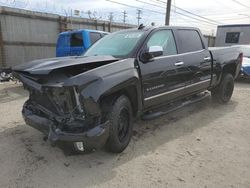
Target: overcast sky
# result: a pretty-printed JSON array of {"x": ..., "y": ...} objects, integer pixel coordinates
[{"x": 211, "y": 12}]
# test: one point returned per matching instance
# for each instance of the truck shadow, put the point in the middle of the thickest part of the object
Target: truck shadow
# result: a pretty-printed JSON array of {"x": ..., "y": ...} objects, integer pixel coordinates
[
  {"x": 99, "y": 167},
  {"x": 243, "y": 80}
]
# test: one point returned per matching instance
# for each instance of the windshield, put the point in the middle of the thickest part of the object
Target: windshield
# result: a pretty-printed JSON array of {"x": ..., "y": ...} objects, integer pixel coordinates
[{"x": 115, "y": 44}]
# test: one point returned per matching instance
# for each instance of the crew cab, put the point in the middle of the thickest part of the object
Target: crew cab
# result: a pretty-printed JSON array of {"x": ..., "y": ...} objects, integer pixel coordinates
[{"x": 92, "y": 100}]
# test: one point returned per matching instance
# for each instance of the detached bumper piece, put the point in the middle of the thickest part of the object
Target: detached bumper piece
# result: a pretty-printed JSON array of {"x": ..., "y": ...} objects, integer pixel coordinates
[{"x": 91, "y": 139}]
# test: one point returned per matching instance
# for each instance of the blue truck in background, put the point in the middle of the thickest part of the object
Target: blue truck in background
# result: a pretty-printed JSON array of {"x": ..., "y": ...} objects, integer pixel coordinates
[{"x": 74, "y": 43}]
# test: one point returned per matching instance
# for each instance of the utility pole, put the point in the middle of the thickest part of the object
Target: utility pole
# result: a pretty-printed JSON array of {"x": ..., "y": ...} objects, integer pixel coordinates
[
  {"x": 71, "y": 16},
  {"x": 111, "y": 17},
  {"x": 168, "y": 9},
  {"x": 139, "y": 12},
  {"x": 89, "y": 14},
  {"x": 124, "y": 16}
]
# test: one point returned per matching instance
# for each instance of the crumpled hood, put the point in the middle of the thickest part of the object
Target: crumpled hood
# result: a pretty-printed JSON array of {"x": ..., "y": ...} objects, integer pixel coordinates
[{"x": 45, "y": 66}]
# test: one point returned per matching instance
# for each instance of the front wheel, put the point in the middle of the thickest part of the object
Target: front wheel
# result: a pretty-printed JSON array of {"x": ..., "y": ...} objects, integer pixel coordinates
[
  {"x": 223, "y": 93},
  {"x": 119, "y": 113}
]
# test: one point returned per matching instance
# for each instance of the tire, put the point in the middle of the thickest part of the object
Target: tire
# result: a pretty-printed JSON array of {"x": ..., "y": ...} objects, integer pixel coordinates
[
  {"x": 223, "y": 93},
  {"x": 119, "y": 113}
]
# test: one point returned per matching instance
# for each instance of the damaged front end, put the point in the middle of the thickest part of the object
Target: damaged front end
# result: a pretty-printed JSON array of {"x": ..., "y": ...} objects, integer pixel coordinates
[
  {"x": 58, "y": 110},
  {"x": 58, "y": 113}
]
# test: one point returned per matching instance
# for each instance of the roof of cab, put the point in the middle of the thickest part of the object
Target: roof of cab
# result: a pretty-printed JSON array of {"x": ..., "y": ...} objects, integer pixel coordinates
[
  {"x": 146, "y": 28},
  {"x": 142, "y": 28}
]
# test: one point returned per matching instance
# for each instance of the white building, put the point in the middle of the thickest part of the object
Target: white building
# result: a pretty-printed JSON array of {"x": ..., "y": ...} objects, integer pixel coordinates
[{"x": 228, "y": 35}]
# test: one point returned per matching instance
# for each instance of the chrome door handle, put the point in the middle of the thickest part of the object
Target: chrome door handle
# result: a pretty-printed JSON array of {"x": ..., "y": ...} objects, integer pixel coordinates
[
  {"x": 179, "y": 63},
  {"x": 207, "y": 58}
]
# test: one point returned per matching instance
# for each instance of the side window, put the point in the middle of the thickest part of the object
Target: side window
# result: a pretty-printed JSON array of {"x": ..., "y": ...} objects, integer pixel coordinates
[
  {"x": 190, "y": 41},
  {"x": 94, "y": 37},
  {"x": 165, "y": 39},
  {"x": 76, "y": 40},
  {"x": 232, "y": 37}
]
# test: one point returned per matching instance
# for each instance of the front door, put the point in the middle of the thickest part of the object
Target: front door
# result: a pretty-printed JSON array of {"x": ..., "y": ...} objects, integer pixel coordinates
[{"x": 163, "y": 77}]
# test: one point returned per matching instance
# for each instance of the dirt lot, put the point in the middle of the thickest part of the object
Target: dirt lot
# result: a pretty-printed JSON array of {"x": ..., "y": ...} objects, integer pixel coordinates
[{"x": 203, "y": 145}]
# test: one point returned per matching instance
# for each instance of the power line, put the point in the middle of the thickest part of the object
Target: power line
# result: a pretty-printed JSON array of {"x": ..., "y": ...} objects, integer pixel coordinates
[
  {"x": 181, "y": 13},
  {"x": 225, "y": 12},
  {"x": 136, "y": 7},
  {"x": 223, "y": 4},
  {"x": 189, "y": 12},
  {"x": 239, "y": 3},
  {"x": 182, "y": 19},
  {"x": 162, "y": 12},
  {"x": 191, "y": 21}
]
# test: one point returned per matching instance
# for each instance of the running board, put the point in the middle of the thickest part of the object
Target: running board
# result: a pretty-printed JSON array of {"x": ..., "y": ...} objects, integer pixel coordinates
[{"x": 174, "y": 106}]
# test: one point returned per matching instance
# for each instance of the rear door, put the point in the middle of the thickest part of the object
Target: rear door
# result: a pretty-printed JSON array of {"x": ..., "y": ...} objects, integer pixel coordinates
[
  {"x": 76, "y": 44},
  {"x": 196, "y": 59}
]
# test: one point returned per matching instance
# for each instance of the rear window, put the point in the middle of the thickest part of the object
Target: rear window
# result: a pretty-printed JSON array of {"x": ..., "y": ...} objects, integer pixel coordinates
[
  {"x": 76, "y": 40},
  {"x": 232, "y": 37},
  {"x": 190, "y": 41},
  {"x": 94, "y": 37}
]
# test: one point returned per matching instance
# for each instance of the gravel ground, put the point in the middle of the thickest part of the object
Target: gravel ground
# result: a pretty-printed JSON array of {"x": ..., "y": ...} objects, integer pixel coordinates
[{"x": 202, "y": 145}]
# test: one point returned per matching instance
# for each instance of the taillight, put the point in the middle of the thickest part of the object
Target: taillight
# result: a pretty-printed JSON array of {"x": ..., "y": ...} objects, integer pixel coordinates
[{"x": 241, "y": 58}]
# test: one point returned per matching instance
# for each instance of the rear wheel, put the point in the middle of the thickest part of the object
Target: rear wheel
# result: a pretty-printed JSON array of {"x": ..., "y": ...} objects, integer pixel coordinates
[
  {"x": 119, "y": 113},
  {"x": 223, "y": 93}
]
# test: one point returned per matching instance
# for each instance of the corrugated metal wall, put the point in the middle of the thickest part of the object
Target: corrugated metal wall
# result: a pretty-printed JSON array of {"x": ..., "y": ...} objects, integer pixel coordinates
[{"x": 27, "y": 35}]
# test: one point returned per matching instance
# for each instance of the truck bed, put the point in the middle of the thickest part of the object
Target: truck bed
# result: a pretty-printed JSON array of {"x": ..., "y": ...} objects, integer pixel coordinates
[{"x": 224, "y": 56}]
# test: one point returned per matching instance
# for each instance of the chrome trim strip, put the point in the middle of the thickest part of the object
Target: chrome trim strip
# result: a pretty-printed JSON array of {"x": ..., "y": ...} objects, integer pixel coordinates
[
  {"x": 160, "y": 57},
  {"x": 175, "y": 90}
]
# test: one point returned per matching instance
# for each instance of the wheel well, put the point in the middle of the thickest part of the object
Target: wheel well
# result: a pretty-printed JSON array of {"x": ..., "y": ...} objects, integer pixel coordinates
[
  {"x": 129, "y": 92},
  {"x": 230, "y": 68}
]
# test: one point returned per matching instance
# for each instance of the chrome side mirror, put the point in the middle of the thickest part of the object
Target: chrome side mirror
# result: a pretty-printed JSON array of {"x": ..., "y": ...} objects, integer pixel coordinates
[{"x": 151, "y": 52}]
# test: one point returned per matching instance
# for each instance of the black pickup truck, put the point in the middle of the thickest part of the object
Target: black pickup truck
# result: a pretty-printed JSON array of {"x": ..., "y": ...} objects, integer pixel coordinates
[{"x": 92, "y": 100}]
